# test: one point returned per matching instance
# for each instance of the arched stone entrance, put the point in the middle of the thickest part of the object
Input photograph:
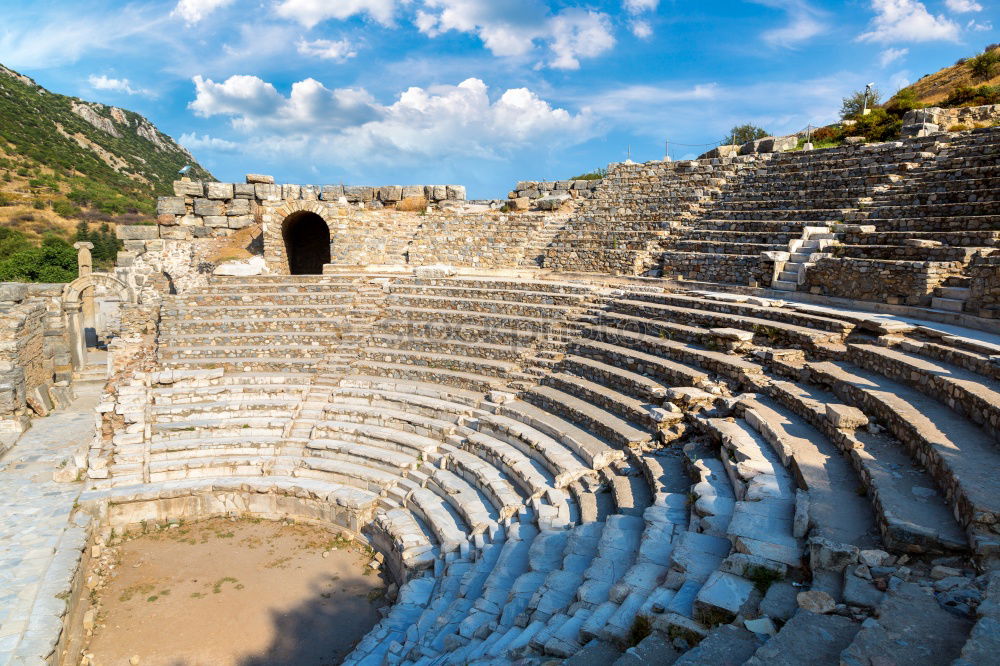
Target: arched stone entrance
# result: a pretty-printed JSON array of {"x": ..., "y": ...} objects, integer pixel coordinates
[
  {"x": 306, "y": 237},
  {"x": 72, "y": 305}
]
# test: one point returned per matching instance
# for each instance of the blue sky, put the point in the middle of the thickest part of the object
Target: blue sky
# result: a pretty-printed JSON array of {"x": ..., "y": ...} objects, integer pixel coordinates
[{"x": 476, "y": 92}]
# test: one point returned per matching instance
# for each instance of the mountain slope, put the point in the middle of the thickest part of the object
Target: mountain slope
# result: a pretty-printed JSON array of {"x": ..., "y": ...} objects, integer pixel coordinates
[
  {"x": 70, "y": 155},
  {"x": 934, "y": 89}
]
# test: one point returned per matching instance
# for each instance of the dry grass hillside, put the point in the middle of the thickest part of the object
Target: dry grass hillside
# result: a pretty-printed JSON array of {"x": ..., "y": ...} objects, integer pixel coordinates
[{"x": 934, "y": 89}]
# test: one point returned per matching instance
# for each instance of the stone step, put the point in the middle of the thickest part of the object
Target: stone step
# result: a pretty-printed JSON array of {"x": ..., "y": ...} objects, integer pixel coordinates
[
  {"x": 947, "y": 304},
  {"x": 785, "y": 285}
]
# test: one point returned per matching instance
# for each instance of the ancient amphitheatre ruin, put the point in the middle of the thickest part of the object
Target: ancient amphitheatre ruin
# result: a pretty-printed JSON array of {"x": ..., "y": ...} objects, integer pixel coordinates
[{"x": 739, "y": 409}]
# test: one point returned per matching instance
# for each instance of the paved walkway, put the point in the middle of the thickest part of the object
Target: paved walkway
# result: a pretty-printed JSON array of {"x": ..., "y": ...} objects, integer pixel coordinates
[{"x": 40, "y": 543}]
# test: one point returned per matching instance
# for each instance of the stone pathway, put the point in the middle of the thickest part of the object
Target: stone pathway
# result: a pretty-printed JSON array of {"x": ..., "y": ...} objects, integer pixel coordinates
[{"x": 40, "y": 542}]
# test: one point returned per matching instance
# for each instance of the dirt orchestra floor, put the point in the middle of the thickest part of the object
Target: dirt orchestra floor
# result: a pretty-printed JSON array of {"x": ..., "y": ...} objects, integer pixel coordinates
[{"x": 246, "y": 593}]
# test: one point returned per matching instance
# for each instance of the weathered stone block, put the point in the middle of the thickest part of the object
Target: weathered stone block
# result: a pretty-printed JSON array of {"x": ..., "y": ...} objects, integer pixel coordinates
[
  {"x": 238, "y": 207},
  {"x": 216, "y": 221},
  {"x": 291, "y": 192},
  {"x": 240, "y": 221},
  {"x": 332, "y": 192},
  {"x": 219, "y": 190},
  {"x": 456, "y": 192},
  {"x": 390, "y": 193},
  {"x": 243, "y": 190},
  {"x": 209, "y": 207},
  {"x": 193, "y": 188},
  {"x": 12, "y": 292},
  {"x": 260, "y": 178},
  {"x": 127, "y": 232},
  {"x": 170, "y": 206},
  {"x": 267, "y": 191},
  {"x": 413, "y": 191}
]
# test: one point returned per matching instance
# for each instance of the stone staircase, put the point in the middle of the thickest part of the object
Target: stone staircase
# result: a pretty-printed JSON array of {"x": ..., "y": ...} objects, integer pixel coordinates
[
  {"x": 952, "y": 295},
  {"x": 801, "y": 253}
]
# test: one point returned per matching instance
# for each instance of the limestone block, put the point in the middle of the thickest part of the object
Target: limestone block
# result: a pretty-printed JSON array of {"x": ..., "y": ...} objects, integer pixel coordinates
[
  {"x": 267, "y": 191},
  {"x": 170, "y": 206},
  {"x": 243, "y": 190},
  {"x": 260, "y": 178},
  {"x": 721, "y": 151},
  {"x": 194, "y": 188},
  {"x": 238, "y": 207},
  {"x": 332, "y": 192},
  {"x": 291, "y": 192},
  {"x": 855, "y": 140},
  {"x": 777, "y": 144},
  {"x": 253, "y": 266},
  {"x": 750, "y": 147},
  {"x": 455, "y": 192},
  {"x": 190, "y": 221},
  {"x": 219, "y": 190},
  {"x": 168, "y": 220},
  {"x": 390, "y": 193},
  {"x": 413, "y": 191},
  {"x": 168, "y": 233},
  {"x": 309, "y": 192},
  {"x": 845, "y": 417},
  {"x": 735, "y": 334},
  {"x": 216, "y": 221},
  {"x": 355, "y": 193},
  {"x": 137, "y": 231},
  {"x": 553, "y": 202},
  {"x": 13, "y": 292},
  {"x": 209, "y": 207},
  {"x": 815, "y": 601},
  {"x": 240, "y": 221},
  {"x": 775, "y": 256}
]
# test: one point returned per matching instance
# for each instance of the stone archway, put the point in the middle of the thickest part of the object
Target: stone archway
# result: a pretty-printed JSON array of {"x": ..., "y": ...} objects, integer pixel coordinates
[
  {"x": 306, "y": 239},
  {"x": 72, "y": 305}
]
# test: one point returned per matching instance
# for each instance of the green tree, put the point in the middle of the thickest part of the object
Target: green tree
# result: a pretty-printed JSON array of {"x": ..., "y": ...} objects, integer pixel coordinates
[
  {"x": 745, "y": 133},
  {"x": 854, "y": 104},
  {"x": 82, "y": 232}
]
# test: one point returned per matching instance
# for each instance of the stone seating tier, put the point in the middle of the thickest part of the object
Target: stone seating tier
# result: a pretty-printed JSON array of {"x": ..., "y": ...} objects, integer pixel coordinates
[{"x": 534, "y": 491}]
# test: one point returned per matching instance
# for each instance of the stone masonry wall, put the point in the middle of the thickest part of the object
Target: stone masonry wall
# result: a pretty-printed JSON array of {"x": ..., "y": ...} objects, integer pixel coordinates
[
  {"x": 30, "y": 355},
  {"x": 984, "y": 287},
  {"x": 903, "y": 282}
]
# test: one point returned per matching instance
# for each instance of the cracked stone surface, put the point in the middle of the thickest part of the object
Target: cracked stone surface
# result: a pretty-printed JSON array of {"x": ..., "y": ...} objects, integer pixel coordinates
[{"x": 41, "y": 542}]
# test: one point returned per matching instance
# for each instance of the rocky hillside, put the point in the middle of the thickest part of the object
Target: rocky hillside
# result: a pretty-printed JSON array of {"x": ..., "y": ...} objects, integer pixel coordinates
[
  {"x": 68, "y": 159},
  {"x": 942, "y": 88}
]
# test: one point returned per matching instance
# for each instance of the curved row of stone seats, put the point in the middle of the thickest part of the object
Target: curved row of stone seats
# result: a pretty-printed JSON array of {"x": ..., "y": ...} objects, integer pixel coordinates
[{"x": 473, "y": 333}]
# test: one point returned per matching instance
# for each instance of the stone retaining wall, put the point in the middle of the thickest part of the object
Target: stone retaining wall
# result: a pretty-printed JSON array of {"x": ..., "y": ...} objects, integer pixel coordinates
[
  {"x": 984, "y": 287},
  {"x": 35, "y": 364},
  {"x": 969, "y": 116},
  {"x": 894, "y": 282}
]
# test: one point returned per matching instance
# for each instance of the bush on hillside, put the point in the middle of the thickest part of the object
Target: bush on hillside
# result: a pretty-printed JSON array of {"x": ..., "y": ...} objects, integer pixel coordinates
[
  {"x": 54, "y": 261},
  {"x": 744, "y": 134},
  {"x": 879, "y": 125},
  {"x": 985, "y": 65},
  {"x": 973, "y": 96}
]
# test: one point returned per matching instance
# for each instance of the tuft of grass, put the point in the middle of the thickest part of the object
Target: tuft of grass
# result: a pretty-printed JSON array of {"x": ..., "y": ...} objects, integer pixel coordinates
[
  {"x": 762, "y": 578},
  {"x": 641, "y": 627}
]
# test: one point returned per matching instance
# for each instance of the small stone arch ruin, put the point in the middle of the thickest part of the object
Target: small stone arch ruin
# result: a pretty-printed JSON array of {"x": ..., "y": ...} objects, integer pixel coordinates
[
  {"x": 306, "y": 239},
  {"x": 298, "y": 241},
  {"x": 73, "y": 305}
]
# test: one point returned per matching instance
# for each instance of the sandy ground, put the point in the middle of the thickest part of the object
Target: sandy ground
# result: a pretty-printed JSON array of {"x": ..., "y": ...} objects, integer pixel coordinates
[{"x": 245, "y": 593}]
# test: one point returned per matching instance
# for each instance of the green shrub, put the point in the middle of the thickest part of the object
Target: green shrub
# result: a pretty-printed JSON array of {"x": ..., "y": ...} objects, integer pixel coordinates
[
  {"x": 973, "y": 96},
  {"x": 984, "y": 65},
  {"x": 879, "y": 125},
  {"x": 744, "y": 134},
  {"x": 64, "y": 208}
]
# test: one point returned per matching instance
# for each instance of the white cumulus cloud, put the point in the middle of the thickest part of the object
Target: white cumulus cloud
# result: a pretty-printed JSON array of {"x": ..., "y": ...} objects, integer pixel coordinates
[
  {"x": 889, "y": 56},
  {"x": 193, "y": 142},
  {"x": 327, "y": 49},
  {"x": 515, "y": 27},
  {"x": 640, "y": 27},
  {"x": 254, "y": 103},
  {"x": 311, "y": 12},
  {"x": 103, "y": 82},
  {"x": 453, "y": 121},
  {"x": 963, "y": 6},
  {"x": 907, "y": 21},
  {"x": 193, "y": 11}
]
